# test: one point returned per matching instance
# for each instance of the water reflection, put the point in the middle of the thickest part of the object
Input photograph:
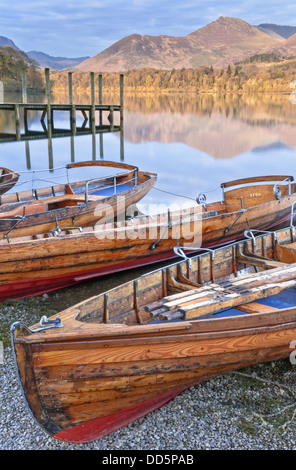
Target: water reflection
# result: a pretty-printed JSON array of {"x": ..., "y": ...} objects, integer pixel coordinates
[
  {"x": 222, "y": 126},
  {"x": 193, "y": 142}
]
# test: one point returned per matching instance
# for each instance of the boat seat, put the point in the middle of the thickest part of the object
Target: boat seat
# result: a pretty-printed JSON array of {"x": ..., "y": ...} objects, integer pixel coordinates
[
  {"x": 286, "y": 253},
  {"x": 206, "y": 215},
  {"x": 24, "y": 210}
]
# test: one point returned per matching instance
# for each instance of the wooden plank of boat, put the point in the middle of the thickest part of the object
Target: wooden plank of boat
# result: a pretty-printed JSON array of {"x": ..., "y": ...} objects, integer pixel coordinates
[
  {"x": 34, "y": 265},
  {"x": 78, "y": 204},
  {"x": 105, "y": 362},
  {"x": 214, "y": 302},
  {"x": 213, "y": 297},
  {"x": 8, "y": 178},
  {"x": 286, "y": 253}
]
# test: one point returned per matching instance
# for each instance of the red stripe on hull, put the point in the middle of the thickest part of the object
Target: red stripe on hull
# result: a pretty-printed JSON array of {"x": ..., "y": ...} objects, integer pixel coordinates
[
  {"x": 38, "y": 286},
  {"x": 100, "y": 427}
]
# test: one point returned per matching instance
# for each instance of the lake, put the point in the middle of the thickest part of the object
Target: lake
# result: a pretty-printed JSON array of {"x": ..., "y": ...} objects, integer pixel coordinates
[{"x": 193, "y": 142}]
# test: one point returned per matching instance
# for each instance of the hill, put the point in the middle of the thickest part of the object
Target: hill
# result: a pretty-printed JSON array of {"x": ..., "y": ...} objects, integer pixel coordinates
[
  {"x": 285, "y": 49},
  {"x": 45, "y": 60},
  {"x": 12, "y": 63},
  {"x": 283, "y": 31},
  {"x": 222, "y": 42},
  {"x": 55, "y": 63},
  {"x": 7, "y": 42}
]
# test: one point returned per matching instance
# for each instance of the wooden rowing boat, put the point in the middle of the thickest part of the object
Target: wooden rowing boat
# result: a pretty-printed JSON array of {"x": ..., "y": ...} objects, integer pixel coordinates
[
  {"x": 73, "y": 204},
  {"x": 41, "y": 263},
  {"x": 8, "y": 178},
  {"x": 117, "y": 356}
]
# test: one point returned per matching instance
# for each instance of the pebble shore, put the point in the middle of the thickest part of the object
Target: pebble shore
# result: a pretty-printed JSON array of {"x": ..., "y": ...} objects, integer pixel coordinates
[{"x": 251, "y": 409}]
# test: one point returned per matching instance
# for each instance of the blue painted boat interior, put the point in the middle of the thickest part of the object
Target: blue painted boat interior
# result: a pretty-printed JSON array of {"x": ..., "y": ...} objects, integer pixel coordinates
[
  {"x": 285, "y": 299},
  {"x": 105, "y": 190},
  {"x": 109, "y": 191}
]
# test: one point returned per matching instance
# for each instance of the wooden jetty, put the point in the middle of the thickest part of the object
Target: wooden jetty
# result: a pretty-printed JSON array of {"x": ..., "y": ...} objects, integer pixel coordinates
[{"x": 48, "y": 111}]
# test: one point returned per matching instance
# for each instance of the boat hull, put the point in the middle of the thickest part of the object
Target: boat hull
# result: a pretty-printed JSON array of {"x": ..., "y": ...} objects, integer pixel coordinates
[
  {"x": 119, "y": 355},
  {"x": 56, "y": 213},
  {"x": 8, "y": 179},
  {"x": 31, "y": 267},
  {"x": 81, "y": 391}
]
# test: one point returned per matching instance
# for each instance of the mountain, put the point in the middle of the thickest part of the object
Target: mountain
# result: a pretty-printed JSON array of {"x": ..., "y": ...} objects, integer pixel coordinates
[
  {"x": 220, "y": 43},
  {"x": 13, "y": 63},
  {"x": 55, "y": 63},
  {"x": 45, "y": 60},
  {"x": 7, "y": 42},
  {"x": 283, "y": 31},
  {"x": 285, "y": 49}
]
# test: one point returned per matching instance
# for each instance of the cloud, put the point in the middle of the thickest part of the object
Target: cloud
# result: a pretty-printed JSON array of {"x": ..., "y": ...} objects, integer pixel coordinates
[{"x": 74, "y": 28}]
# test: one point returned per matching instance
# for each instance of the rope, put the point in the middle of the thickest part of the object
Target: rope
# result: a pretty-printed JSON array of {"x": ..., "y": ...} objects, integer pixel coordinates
[
  {"x": 182, "y": 195},
  {"x": 232, "y": 206},
  {"x": 174, "y": 194}
]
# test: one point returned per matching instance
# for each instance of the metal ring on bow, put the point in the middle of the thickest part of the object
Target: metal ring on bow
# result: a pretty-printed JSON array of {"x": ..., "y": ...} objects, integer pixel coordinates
[
  {"x": 277, "y": 191},
  {"x": 201, "y": 198}
]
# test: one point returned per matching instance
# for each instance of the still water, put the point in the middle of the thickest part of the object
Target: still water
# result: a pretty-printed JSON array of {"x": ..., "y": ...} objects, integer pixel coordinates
[{"x": 194, "y": 143}]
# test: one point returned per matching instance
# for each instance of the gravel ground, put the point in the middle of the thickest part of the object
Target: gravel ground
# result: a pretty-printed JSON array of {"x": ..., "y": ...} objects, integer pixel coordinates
[{"x": 252, "y": 409}]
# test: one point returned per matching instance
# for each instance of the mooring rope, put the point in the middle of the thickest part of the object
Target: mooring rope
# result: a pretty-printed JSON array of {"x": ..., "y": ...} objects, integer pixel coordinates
[
  {"x": 174, "y": 194},
  {"x": 182, "y": 195}
]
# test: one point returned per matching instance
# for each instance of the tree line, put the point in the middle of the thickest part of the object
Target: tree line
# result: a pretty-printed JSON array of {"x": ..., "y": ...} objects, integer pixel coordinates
[
  {"x": 261, "y": 73},
  {"x": 244, "y": 78}
]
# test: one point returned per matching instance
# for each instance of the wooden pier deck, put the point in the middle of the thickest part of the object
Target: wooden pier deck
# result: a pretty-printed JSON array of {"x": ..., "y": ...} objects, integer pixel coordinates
[
  {"x": 107, "y": 121},
  {"x": 47, "y": 119}
]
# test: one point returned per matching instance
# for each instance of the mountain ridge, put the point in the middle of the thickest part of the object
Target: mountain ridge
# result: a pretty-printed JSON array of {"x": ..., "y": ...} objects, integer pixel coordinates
[
  {"x": 4, "y": 41},
  {"x": 283, "y": 31},
  {"x": 56, "y": 63},
  {"x": 44, "y": 60},
  {"x": 223, "y": 42},
  {"x": 286, "y": 49},
  {"x": 220, "y": 43}
]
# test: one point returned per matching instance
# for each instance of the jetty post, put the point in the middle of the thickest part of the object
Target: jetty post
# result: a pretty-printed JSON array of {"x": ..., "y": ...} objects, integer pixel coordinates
[
  {"x": 24, "y": 87},
  {"x": 73, "y": 107},
  {"x": 100, "y": 79},
  {"x": 25, "y": 99},
  {"x": 48, "y": 105},
  {"x": 17, "y": 121},
  {"x": 93, "y": 103},
  {"x": 49, "y": 112},
  {"x": 121, "y": 118}
]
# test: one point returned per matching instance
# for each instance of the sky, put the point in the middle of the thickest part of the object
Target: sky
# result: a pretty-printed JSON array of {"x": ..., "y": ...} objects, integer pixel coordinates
[{"x": 78, "y": 28}]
